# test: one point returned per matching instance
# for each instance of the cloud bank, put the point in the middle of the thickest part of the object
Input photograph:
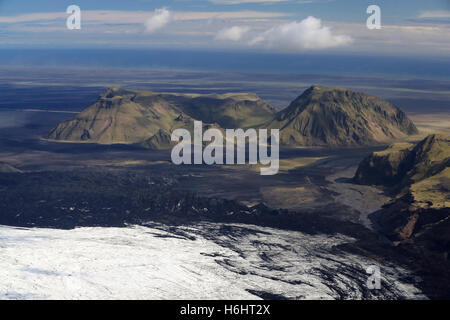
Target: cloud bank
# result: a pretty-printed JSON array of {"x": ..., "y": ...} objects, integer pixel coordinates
[
  {"x": 234, "y": 33},
  {"x": 435, "y": 14},
  {"x": 308, "y": 34},
  {"x": 160, "y": 18},
  {"x": 428, "y": 34}
]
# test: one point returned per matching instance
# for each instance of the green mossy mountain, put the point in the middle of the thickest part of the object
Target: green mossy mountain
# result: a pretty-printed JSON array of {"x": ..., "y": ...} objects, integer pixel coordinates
[
  {"x": 385, "y": 167},
  {"x": 228, "y": 110},
  {"x": 418, "y": 176},
  {"x": 405, "y": 167},
  {"x": 129, "y": 116},
  {"x": 122, "y": 116},
  {"x": 319, "y": 117},
  {"x": 338, "y": 117}
]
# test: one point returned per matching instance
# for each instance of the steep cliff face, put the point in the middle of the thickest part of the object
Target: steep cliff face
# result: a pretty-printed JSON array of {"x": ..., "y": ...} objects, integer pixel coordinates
[
  {"x": 419, "y": 177},
  {"x": 385, "y": 167},
  {"x": 418, "y": 169},
  {"x": 339, "y": 117}
]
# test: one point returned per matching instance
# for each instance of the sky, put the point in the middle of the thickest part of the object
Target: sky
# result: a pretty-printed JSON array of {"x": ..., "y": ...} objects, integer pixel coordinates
[{"x": 408, "y": 27}]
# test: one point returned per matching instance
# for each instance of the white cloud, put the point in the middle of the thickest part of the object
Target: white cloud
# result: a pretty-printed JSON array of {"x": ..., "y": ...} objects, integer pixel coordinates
[
  {"x": 435, "y": 14},
  {"x": 197, "y": 29},
  {"x": 139, "y": 17},
  {"x": 160, "y": 18},
  {"x": 244, "y": 14},
  {"x": 299, "y": 36},
  {"x": 234, "y": 33}
]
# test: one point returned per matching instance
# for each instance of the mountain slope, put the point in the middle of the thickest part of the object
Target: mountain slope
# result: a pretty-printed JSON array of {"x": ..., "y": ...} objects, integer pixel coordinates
[
  {"x": 229, "y": 110},
  {"x": 419, "y": 178},
  {"x": 320, "y": 116},
  {"x": 339, "y": 117},
  {"x": 160, "y": 140},
  {"x": 122, "y": 116},
  {"x": 128, "y": 116},
  {"x": 417, "y": 169}
]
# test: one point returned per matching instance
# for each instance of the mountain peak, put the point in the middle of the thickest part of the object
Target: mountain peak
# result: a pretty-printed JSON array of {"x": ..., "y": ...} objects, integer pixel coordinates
[
  {"x": 434, "y": 146},
  {"x": 340, "y": 117},
  {"x": 433, "y": 139},
  {"x": 113, "y": 92},
  {"x": 316, "y": 87}
]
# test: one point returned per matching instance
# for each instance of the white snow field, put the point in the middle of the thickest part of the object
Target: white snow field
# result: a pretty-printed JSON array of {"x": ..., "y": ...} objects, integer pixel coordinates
[{"x": 196, "y": 262}]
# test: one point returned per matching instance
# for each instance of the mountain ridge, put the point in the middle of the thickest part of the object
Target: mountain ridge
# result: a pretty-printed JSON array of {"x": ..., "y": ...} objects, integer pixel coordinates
[
  {"x": 131, "y": 116},
  {"x": 319, "y": 117}
]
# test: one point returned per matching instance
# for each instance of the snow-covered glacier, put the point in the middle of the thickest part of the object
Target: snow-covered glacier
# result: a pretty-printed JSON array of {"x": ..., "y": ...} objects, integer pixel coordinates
[{"x": 200, "y": 261}]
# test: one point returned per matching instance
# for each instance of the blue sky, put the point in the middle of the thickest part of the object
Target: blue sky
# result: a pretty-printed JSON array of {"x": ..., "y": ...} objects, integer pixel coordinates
[
  {"x": 409, "y": 27},
  {"x": 348, "y": 10}
]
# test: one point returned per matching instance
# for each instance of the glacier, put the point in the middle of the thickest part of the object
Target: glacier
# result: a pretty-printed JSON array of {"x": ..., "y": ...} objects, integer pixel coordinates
[{"x": 199, "y": 261}]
